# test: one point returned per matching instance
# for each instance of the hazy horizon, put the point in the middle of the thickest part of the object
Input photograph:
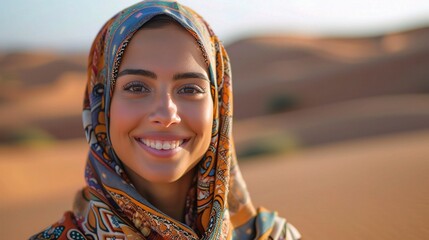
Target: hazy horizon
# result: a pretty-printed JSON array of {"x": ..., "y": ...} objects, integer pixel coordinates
[{"x": 71, "y": 26}]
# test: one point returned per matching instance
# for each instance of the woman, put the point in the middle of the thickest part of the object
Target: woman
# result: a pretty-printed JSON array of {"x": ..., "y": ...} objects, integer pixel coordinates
[{"x": 158, "y": 114}]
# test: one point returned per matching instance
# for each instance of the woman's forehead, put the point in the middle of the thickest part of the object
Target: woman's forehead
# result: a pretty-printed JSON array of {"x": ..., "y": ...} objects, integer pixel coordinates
[
  {"x": 166, "y": 46},
  {"x": 170, "y": 35}
]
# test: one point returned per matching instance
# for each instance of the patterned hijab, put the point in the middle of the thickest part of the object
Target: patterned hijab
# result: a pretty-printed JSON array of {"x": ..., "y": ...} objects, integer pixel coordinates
[{"x": 109, "y": 207}]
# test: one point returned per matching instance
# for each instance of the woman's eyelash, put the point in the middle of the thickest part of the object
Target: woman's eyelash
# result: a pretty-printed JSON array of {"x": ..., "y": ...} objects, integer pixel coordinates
[
  {"x": 139, "y": 87},
  {"x": 136, "y": 87},
  {"x": 191, "y": 89}
]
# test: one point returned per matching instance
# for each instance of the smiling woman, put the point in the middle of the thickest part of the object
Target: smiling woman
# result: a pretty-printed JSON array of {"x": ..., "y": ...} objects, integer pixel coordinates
[
  {"x": 161, "y": 114},
  {"x": 158, "y": 115}
]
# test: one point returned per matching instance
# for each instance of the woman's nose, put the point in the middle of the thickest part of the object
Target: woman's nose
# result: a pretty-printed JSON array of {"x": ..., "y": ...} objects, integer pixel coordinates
[{"x": 165, "y": 112}]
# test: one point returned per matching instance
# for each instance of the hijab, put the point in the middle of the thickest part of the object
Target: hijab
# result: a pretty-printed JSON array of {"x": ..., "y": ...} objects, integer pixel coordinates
[{"x": 218, "y": 205}]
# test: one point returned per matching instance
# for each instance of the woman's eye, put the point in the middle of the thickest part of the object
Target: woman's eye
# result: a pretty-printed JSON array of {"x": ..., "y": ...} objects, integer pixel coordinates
[
  {"x": 193, "y": 89},
  {"x": 136, "y": 87}
]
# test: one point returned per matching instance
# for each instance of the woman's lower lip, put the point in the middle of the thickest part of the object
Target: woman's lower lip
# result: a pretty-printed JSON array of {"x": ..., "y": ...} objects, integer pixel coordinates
[{"x": 160, "y": 153}]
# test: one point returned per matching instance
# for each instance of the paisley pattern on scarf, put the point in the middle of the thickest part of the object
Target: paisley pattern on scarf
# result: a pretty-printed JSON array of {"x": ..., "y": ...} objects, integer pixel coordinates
[{"x": 109, "y": 207}]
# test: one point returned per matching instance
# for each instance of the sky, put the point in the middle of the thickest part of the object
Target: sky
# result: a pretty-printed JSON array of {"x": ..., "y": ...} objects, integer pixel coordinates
[{"x": 67, "y": 25}]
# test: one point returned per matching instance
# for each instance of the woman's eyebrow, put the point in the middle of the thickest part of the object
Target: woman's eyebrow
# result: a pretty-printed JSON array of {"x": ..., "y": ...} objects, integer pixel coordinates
[
  {"x": 150, "y": 74},
  {"x": 137, "y": 72},
  {"x": 188, "y": 75}
]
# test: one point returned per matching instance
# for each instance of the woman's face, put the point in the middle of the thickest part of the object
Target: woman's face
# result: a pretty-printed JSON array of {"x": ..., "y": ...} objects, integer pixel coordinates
[{"x": 161, "y": 112}]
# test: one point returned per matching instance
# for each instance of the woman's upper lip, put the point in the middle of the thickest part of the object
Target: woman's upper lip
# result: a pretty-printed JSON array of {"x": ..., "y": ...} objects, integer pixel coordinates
[{"x": 162, "y": 136}]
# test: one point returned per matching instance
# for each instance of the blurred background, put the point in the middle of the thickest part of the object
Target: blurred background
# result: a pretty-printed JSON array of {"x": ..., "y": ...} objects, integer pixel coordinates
[{"x": 331, "y": 103}]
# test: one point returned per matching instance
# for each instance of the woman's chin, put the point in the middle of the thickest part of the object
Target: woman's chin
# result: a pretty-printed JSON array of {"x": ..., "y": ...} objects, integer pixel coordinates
[
  {"x": 162, "y": 177},
  {"x": 167, "y": 176}
]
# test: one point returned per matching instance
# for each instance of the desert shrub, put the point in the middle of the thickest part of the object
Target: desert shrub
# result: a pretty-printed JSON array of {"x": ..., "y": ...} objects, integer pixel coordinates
[
  {"x": 27, "y": 136},
  {"x": 281, "y": 103},
  {"x": 9, "y": 79},
  {"x": 268, "y": 145}
]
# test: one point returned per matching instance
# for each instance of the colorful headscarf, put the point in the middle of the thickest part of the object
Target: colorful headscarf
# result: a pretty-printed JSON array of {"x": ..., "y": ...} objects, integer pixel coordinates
[{"x": 109, "y": 207}]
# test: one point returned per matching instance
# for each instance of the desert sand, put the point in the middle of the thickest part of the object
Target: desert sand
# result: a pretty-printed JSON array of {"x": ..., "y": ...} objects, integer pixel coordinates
[{"x": 363, "y": 189}]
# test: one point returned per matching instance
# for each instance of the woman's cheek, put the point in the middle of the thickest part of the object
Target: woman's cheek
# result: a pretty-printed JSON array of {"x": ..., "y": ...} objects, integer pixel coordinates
[
  {"x": 198, "y": 116},
  {"x": 124, "y": 114}
]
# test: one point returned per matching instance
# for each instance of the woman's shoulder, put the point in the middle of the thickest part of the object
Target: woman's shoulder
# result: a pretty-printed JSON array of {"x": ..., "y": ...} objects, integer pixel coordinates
[
  {"x": 291, "y": 232},
  {"x": 65, "y": 228},
  {"x": 279, "y": 227}
]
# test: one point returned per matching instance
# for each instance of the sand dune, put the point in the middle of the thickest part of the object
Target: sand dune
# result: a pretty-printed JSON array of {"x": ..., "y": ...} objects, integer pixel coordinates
[
  {"x": 340, "y": 121},
  {"x": 367, "y": 189},
  {"x": 53, "y": 110},
  {"x": 317, "y": 71},
  {"x": 24, "y": 60},
  {"x": 61, "y": 97}
]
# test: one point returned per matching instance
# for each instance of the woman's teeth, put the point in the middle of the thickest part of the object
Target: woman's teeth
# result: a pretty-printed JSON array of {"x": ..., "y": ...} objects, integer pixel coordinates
[{"x": 164, "y": 145}]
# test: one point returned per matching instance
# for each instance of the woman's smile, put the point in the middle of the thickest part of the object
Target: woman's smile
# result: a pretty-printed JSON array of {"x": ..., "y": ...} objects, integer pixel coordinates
[{"x": 162, "y": 146}]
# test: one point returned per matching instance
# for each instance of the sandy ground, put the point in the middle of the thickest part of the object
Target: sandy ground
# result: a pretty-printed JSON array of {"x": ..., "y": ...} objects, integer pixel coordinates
[
  {"x": 368, "y": 189},
  {"x": 364, "y": 189}
]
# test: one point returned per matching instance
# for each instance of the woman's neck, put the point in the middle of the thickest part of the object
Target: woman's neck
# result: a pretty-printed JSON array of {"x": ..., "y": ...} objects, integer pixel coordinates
[{"x": 170, "y": 198}]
